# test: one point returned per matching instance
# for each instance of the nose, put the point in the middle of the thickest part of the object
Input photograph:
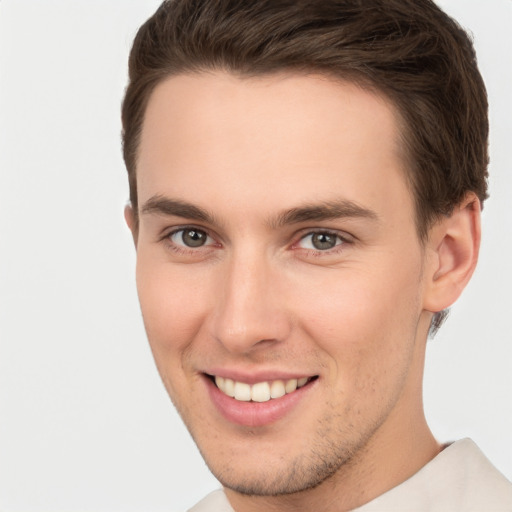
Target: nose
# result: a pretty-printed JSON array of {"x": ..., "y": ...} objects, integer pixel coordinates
[{"x": 250, "y": 311}]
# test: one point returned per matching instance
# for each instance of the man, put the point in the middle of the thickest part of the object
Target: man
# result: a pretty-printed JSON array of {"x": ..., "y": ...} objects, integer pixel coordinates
[{"x": 306, "y": 180}]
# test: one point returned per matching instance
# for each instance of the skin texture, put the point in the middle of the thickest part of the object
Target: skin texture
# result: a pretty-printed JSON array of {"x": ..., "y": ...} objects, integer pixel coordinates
[{"x": 259, "y": 299}]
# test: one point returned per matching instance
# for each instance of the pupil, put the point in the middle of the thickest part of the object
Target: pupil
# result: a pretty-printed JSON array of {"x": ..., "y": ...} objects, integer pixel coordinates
[
  {"x": 193, "y": 238},
  {"x": 323, "y": 241}
]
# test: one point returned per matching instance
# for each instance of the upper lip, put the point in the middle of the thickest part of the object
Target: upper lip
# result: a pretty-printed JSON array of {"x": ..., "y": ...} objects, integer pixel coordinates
[{"x": 257, "y": 375}]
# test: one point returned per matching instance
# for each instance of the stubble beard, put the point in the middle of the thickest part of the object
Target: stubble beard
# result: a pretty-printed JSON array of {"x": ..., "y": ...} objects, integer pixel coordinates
[{"x": 335, "y": 451}]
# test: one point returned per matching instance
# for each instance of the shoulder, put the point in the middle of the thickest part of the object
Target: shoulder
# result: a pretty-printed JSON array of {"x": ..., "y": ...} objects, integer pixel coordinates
[
  {"x": 459, "y": 479},
  {"x": 216, "y": 501},
  {"x": 481, "y": 485}
]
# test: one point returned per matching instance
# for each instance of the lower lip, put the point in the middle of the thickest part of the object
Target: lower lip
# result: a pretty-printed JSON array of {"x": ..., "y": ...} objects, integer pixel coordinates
[{"x": 256, "y": 414}]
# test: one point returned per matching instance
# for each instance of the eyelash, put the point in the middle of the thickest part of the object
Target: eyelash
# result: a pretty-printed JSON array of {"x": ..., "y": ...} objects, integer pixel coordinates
[
  {"x": 341, "y": 242},
  {"x": 182, "y": 248}
]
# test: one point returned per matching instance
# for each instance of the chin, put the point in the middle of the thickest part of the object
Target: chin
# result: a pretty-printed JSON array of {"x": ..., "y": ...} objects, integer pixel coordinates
[
  {"x": 267, "y": 482},
  {"x": 265, "y": 472}
]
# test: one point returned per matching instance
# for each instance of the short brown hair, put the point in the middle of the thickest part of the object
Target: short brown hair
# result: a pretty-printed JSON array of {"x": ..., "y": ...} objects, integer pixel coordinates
[{"x": 409, "y": 50}]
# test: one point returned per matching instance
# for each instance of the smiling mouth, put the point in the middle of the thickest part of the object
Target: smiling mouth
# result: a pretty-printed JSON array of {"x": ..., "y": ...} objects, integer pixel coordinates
[{"x": 261, "y": 391}]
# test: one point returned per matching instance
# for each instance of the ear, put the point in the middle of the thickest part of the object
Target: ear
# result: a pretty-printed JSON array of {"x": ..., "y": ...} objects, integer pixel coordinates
[
  {"x": 453, "y": 247},
  {"x": 131, "y": 221}
]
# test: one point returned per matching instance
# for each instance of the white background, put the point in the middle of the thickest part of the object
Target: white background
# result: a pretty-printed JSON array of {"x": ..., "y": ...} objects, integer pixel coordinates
[{"x": 85, "y": 424}]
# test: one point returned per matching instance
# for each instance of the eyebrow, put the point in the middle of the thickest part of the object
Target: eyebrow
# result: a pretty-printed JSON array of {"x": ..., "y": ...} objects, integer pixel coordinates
[
  {"x": 326, "y": 210},
  {"x": 174, "y": 207}
]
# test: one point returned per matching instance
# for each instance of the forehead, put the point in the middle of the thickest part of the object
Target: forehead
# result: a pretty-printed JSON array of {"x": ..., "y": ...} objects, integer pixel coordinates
[{"x": 281, "y": 139}]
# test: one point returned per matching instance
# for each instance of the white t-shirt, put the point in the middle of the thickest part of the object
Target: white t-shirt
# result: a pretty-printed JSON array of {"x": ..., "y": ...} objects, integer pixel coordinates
[{"x": 459, "y": 479}]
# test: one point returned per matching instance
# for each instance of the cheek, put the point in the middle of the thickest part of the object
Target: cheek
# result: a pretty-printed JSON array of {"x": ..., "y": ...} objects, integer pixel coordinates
[
  {"x": 170, "y": 304},
  {"x": 365, "y": 321},
  {"x": 173, "y": 313}
]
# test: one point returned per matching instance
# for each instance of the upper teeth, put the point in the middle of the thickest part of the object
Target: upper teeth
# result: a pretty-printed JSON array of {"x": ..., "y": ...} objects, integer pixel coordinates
[{"x": 259, "y": 392}]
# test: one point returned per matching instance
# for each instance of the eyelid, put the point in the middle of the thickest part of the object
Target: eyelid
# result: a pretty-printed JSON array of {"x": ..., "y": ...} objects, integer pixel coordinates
[
  {"x": 168, "y": 231},
  {"x": 180, "y": 249},
  {"x": 174, "y": 232},
  {"x": 212, "y": 240},
  {"x": 342, "y": 236}
]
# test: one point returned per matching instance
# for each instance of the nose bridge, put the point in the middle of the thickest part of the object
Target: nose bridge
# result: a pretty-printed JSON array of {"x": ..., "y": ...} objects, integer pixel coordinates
[{"x": 249, "y": 310}]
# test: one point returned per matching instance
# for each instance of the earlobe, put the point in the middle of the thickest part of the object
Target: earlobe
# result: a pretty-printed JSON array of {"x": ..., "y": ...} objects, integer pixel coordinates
[
  {"x": 129, "y": 216},
  {"x": 454, "y": 242}
]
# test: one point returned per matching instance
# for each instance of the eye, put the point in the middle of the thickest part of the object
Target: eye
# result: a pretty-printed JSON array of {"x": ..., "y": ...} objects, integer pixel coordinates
[
  {"x": 320, "y": 241},
  {"x": 190, "y": 237}
]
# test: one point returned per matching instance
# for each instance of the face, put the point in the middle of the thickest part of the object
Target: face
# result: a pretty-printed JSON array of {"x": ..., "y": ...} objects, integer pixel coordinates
[{"x": 280, "y": 274}]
